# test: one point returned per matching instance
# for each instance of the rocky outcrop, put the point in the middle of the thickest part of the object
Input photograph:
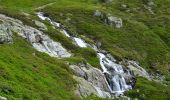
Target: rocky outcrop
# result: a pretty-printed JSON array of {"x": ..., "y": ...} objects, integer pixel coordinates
[
  {"x": 5, "y": 34},
  {"x": 109, "y": 19},
  {"x": 138, "y": 70},
  {"x": 91, "y": 81},
  {"x": 38, "y": 39}
]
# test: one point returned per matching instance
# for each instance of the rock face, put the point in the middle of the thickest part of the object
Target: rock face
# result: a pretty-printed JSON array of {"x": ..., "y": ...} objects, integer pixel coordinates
[
  {"x": 138, "y": 71},
  {"x": 38, "y": 39},
  {"x": 91, "y": 81},
  {"x": 109, "y": 19},
  {"x": 5, "y": 34}
]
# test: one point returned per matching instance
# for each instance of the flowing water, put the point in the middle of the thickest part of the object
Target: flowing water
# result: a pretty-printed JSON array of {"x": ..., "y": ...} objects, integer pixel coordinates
[{"x": 113, "y": 72}]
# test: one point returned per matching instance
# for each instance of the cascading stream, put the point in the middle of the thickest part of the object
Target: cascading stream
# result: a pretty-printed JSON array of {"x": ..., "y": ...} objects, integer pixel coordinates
[{"x": 112, "y": 71}]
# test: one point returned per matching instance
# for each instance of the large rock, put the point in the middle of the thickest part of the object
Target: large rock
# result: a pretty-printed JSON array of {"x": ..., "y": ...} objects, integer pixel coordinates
[
  {"x": 114, "y": 21},
  {"x": 91, "y": 81},
  {"x": 109, "y": 19},
  {"x": 138, "y": 70},
  {"x": 85, "y": 88},
  {"x": 5, "y": 34},
  {"x": 38, "y": 39}
]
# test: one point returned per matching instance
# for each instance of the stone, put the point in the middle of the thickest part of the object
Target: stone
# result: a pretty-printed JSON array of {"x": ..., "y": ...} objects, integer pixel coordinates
[
  {"x": 151, "y": 3},
  {"x": 3, "y": 98},
  {"x": 114, "y": 21},
  {"x": 41, "y": 25},
  {"x": 5, "y": 34},
  {"x": 78, "y": 71},
  {"x": 37, "y": 38},
  {"x": 97, "y": 13},
  {"x": 84, "y": 87},
  {"x": 123, "y": 6},
  {"x": 138, "y": 70},
  {"x": 109, "y": 19},
  {"x": 98, "y": 44},
  {"x": 91, "y": 81}
]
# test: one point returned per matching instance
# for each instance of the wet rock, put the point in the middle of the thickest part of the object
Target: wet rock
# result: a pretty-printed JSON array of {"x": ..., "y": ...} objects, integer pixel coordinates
[
  {"x": 3, "y": 98},
  {"x": 41, "y": 25},
  {"x": 38, "y": 39}
]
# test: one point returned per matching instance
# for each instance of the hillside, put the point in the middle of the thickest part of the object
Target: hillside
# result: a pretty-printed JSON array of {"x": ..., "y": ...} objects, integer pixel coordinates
[{"x": 84, "y": 49}]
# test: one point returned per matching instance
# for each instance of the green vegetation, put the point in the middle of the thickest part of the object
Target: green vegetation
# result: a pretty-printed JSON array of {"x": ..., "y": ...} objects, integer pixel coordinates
[
  {"x": 142, "y": 37},
  {"x": 23, "y": 5},
  {"x": 147, "y": 90},
  {"x": 28, "y": 74}
]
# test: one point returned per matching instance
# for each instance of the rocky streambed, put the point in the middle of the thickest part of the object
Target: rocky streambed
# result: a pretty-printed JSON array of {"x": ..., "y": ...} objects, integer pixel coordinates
[{"x": 112, "y": 80}]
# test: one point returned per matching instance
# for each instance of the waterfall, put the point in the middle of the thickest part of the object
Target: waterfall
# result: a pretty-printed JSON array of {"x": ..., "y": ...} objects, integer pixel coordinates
[
  {"x": 80, "y": 42},
  {"x": 113, "y": 72}
]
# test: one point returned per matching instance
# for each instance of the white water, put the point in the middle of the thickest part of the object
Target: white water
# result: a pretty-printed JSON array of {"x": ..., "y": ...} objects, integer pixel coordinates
[
  {"x": 77, "y": 40},
  {"x": 113, "y": 72},
  {"x": 80, "y": 42},
  {"x": 65, "y": 33}
]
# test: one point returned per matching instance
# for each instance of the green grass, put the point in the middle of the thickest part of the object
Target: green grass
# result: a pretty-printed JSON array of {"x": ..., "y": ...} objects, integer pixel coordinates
[
  {"x": 25, "y": 76},
  {"x": 23, "y": 5},
  {"x": 147, "y": 90},
  {"x": 144, "y": 37}
]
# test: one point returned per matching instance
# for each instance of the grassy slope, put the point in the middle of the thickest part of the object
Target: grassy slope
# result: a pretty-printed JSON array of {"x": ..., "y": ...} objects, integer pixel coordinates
[
  {"x": 24, "y": 75},
  {"x": 147, "y": 90},
  {"x": 23, "y": 5},
  {"x": 136, "y": 40},
  {"x": 142, "y": 38},
  {"x": 27, "y": 76}
]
